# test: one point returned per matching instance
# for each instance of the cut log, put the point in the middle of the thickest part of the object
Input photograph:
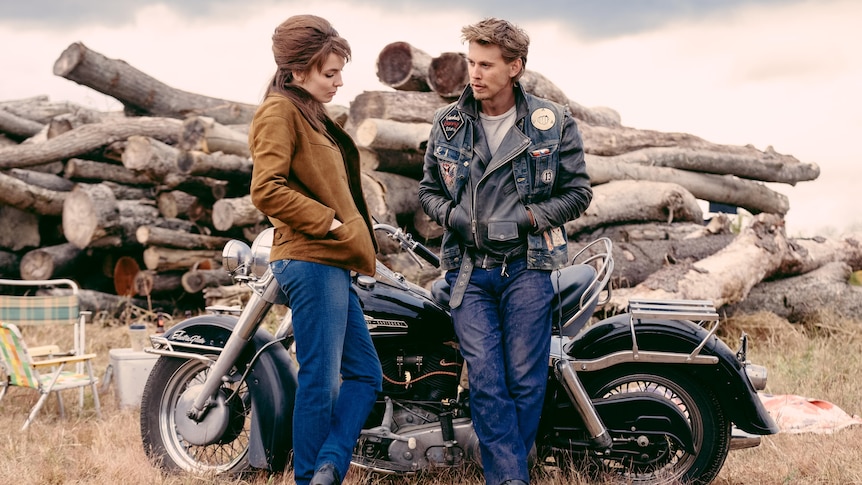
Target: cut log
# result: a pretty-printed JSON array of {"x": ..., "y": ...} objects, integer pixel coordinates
[
  {"x": 44, "y": 180},
  {"x": 377, "y": 133},
  {"x": 426, "y": 229},
  {"x": 204, "y": 134},
  {"x": 21, "y": 229},
  {"x": 225, "y": 166},
  {"x": 743, "y": 162},
  {"x": 195, "y": 281},
  {"x": 803, "y": 298},
  {"x": 403, "y": 67},
  {"x": 235, "y": 212},
  {"x": 169, "y": 259},
  {"x": 726, "y": 189},
  {"x": 127, "y": 192},
  {"x": 448, "y": 74},
  {"x": 30, "y": 198},
  {"x": 390, "y": 196},
  {"x": 140, "y": 93},
  {"x": 108, "y": 305},
  {"x": 39, "y": 108},
  {"x": 18, "y": 127},
  {"x": 538, "y": 85},
  {"x": 69, "y": 121},
  {"x": 149, "y": 282},
  {"x": 175, "y": 203},
  {"x": 50, "y": 262},
  {"x": 407, "y": 163},
  {"x": 86, "y": 139},
  {"x": 724, "y": 278},
  {"x": 93, "y": 217},
  {"x": 125, "y": 271},
  {"x": 89, "y": 171},
  {"x": 640, "y": 250},
  {"x": 628, "y": 201},
  {"x": 812, "y": 253},
  {"x": 404, "y": 106},
  {"x": 151, "y": 157},
  {"x": 158, "y": 236}
]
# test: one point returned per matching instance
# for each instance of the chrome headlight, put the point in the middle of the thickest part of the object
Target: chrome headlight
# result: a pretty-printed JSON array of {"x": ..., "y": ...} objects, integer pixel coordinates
[
  {"x": 260, "y": 252},
  {"x": 236, "y": 257}
]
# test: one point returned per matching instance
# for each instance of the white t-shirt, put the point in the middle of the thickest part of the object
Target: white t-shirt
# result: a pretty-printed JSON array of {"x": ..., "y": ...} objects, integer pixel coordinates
[{"x": 496, "y": 127}]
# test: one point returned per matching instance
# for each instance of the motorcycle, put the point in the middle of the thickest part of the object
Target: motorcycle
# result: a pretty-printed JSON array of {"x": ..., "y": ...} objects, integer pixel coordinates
[{"x": 651, "y": 395}]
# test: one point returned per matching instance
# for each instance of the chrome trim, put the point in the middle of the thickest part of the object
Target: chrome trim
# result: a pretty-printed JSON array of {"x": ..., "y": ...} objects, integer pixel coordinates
[{"x": 627, "y": 356}]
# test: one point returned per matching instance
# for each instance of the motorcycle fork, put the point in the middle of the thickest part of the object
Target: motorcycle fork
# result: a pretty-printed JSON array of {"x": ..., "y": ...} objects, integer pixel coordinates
[
  {"x": 599, "y": 435},
  {"x": 249, "y": 320}
]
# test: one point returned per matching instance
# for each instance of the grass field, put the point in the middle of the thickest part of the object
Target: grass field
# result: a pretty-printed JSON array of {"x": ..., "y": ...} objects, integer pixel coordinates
[{"x": 821, "y": 359}]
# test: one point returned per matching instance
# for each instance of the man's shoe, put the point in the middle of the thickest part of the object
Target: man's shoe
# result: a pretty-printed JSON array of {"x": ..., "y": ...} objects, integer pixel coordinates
[{"x": 326, "y": 475}]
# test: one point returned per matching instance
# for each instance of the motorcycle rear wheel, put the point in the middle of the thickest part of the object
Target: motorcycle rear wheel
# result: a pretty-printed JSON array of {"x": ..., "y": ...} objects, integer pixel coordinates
[
  {"x": 709, "y": 424},
  {"x": 163, "y": 442}
]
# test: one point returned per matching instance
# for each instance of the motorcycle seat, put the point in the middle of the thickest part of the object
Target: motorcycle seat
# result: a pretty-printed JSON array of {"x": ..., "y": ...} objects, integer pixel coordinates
[{"x": 574, "y": 281}]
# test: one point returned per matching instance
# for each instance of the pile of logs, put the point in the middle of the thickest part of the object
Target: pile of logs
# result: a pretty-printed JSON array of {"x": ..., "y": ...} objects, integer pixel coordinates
[{"x": 136, "y": 205}]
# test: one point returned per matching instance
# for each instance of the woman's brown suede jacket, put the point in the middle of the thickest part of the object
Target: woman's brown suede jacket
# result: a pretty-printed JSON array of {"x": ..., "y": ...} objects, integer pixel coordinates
[{"x": 301, "y": 180}]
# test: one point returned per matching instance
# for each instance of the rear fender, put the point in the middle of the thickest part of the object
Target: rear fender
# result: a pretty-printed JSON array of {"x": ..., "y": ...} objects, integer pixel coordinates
[
  {"x": 272, "y": 384},
  {"x": 727, "y": 378}
]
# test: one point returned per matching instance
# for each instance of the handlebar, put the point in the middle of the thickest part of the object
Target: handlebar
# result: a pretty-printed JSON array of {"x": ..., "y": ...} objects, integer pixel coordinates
[{"x": 405, "y": 239}]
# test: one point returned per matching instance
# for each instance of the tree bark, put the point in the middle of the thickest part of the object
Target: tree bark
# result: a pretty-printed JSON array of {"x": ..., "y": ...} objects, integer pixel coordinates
[
  {"x": 89, "y": 171},
  {"x": 390, "y": 196},
  {"x": 30, "y": 198},
  {"x": 813, "y": 253},
  {"x": 804, "y": 297},
  {"x": 403, "y": 67},
  {"x": 169, "y": 238},
  {"x": 169, "y": 259},
  {"x": 44, "y": 180},
  {"x": 204, "y": 134},
  {"x": 538, "y": 85},
  {"x": 50, "y": 262},
  {"x": 377, "y": 133},
  {"x": 235, "y": 212},
  {"x": 627, "y": 201},
  {"x": 175, "y": 203},
  {"x": 404, "y": 106},
  {"x": 93, "y": 217},
  {"x": 140, "y": 93},
  {"x": 408, "y": 163},
  {"x": 724, "y": 278},
  {"x": 149, "y": 282},
  {"x": 18, "y": 127},
  {"x": 743, "y": 162},
  {"x": 195, "y": 281},
  {"x": 87, "y": 138},
  {"x": 224, "y": 166},
  {"x": 753, "y": 196}
]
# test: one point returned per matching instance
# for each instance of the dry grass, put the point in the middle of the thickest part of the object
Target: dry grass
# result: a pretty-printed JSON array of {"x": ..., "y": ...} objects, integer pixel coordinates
[{"x": 820, "y": 359}]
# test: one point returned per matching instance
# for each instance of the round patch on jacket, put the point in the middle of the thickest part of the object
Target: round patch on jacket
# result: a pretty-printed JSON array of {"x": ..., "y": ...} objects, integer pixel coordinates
[{"x": 543, "y": 119}]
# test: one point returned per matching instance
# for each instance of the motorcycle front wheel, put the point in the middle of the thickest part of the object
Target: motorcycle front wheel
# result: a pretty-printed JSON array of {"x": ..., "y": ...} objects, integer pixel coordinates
[
  {"x": 217, "y": 445},
  {"x": 709, "y": 425}
]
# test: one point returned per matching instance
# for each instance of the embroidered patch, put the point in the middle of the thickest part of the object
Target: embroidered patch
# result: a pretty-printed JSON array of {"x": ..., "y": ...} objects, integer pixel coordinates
[
  {"x": 447, "y": 172},
  {"x": 548, "y": 176},
  {"x": 451, "y": 123},
  {"x": 558, "y": 237},
  {"x": 543, "y": 119}
]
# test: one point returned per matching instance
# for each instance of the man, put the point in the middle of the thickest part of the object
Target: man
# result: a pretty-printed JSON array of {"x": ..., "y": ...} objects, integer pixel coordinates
[{"x": 504, "y": 171}]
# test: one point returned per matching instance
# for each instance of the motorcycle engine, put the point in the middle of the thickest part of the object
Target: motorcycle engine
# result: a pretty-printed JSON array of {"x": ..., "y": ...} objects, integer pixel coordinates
[{"x": 428, "y": 376}]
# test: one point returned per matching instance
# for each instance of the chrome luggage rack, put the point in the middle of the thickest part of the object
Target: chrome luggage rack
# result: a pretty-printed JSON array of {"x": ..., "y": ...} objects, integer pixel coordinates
[{"x": 698, "y": 311}]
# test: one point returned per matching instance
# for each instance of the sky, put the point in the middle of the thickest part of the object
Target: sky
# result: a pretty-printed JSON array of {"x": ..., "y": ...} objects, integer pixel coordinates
[{"x": 780, "y": 73}]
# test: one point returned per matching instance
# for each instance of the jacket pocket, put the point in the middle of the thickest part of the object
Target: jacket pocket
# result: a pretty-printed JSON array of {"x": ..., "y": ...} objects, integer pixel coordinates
[{"x": 502, "y": 230}]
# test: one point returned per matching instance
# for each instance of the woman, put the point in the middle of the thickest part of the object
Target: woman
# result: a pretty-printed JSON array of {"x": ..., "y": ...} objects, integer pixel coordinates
[{"x": 306, "y": 179}]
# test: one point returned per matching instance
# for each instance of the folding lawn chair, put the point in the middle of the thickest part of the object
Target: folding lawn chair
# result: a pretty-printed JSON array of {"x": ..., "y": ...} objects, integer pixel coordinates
[{"x": 45, "y": 376}]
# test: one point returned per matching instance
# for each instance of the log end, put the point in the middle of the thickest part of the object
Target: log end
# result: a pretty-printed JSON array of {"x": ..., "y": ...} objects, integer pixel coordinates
[
  {"x": 448, "y": 74},
  {"x": 69, "y": 59}
]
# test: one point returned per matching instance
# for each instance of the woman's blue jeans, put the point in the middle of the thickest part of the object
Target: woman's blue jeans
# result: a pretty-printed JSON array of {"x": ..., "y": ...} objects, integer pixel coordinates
[
  {"x": 339, "y": 372},
  {"x": 504, "y": 331}
]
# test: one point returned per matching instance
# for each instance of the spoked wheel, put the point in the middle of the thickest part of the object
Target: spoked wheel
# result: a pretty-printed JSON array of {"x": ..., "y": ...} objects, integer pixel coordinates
[
  {"x": 216, "y": 445},
  {"x": 655, "y": 461}
]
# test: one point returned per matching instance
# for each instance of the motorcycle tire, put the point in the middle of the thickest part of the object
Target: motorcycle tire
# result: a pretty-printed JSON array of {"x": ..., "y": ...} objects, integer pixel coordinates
[
  {"x": 710, "y": 426},
  {"x": 163, "y": 441}
]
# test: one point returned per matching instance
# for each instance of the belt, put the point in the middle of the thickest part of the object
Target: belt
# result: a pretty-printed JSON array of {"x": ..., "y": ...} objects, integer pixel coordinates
[
  {"x": 490, "y": 261},
  {"x": 483, "y": 261}
]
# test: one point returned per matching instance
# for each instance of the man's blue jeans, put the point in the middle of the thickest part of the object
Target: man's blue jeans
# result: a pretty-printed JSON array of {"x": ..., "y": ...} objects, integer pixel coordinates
[
  {"x": 504, "y": 330},
  {"x": 339, "y": 372}
]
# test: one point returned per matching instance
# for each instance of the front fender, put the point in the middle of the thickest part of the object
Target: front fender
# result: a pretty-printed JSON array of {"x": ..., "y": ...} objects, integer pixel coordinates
[
  {"x": 272, "y": 384},
  {"x": 727, "y": 378}
]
